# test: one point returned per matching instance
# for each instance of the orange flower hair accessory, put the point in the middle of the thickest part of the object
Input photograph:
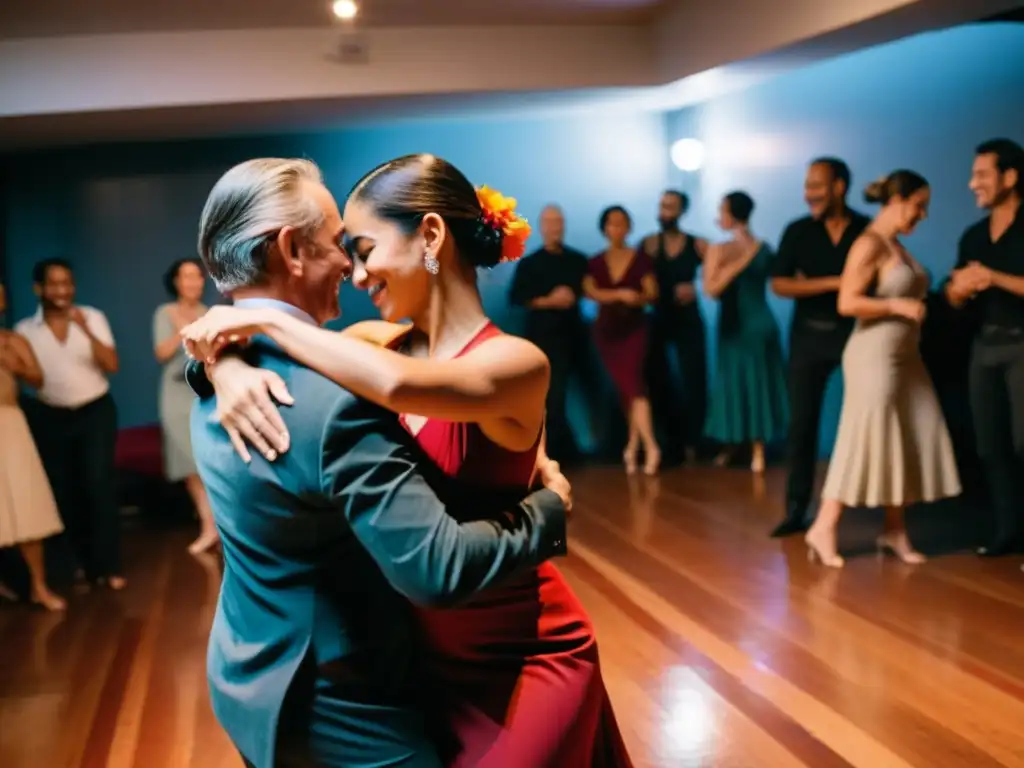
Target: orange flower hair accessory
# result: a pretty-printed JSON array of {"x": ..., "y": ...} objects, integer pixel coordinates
[{"x": 499, "y": 212}]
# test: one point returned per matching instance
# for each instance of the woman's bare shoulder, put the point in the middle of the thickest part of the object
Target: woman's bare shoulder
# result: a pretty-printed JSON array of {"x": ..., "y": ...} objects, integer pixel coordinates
[
  {"x": 513, "y": 353},
  {"x": 379, "y": 332}
]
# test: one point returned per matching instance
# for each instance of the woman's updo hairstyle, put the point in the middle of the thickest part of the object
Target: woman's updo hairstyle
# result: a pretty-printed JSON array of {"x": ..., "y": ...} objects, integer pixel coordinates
[
  {"x": 902, "y": 183},
  {"x": 406, "y": 189},
  {"x": 740, "y": 206},
  {"x": 610, "y": 211}
]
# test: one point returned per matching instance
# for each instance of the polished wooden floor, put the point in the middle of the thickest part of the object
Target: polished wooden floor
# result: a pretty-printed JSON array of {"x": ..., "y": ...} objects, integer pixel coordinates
[{"x": 721, "y": 647}]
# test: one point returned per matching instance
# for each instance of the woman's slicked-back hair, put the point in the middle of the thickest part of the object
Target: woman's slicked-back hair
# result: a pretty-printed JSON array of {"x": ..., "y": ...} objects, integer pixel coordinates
[
  {"x": 901, "y": 183},
  {"x": 247, "y": 206},
  {"x": 740, "y": 206},
  {"x": 404, "y": 190}
]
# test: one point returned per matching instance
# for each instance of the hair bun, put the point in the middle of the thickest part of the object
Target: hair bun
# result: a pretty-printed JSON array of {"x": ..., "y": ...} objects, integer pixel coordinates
[
  {"x": 876, "y": 191},
  {"x": 487, "y": 240}
]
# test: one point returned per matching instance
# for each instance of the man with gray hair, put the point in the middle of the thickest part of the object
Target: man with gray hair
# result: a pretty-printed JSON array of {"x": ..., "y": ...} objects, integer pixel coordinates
[{"x": 311, "y": 657}]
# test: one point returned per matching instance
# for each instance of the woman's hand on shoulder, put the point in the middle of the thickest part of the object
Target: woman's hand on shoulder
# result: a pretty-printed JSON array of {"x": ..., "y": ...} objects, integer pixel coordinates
[
  {"x": 247, "y": 407},
  {"x": 220, "y": 327}
]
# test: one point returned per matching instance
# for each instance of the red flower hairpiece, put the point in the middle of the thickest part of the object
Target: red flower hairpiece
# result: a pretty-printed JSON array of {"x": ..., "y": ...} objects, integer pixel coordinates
[{"x": 500, "y": 212}]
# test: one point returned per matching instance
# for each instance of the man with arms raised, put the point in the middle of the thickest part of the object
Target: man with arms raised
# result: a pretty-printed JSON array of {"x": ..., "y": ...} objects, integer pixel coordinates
[
  {"x": 311, "y": 658},
  {"x": 810, "y": 260}
]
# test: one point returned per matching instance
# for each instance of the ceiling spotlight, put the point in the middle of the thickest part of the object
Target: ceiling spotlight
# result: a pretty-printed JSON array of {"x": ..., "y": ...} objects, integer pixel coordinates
[{"x": 345, "y": 10}]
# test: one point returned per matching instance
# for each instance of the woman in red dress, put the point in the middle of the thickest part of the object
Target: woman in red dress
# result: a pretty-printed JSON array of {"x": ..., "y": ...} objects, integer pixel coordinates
[
  {"x": 518, "y": 678},
  {"x": 621, "y": 280}
]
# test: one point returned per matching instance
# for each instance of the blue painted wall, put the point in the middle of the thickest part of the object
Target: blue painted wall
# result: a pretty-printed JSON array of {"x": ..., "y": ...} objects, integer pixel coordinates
[
  {"x": 123, "y": 213},
  {"x": 922, "y": 103}
]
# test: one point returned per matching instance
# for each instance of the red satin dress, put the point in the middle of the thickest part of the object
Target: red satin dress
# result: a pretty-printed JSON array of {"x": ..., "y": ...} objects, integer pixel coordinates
[{"x": 516, "y": 670}]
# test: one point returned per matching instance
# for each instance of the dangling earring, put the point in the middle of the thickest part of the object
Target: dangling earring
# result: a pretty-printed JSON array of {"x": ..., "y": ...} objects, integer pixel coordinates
[{"x": 431, "y": 264}]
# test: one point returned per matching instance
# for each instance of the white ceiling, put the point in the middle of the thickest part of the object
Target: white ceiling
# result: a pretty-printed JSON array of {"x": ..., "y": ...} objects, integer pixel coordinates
[
  {"x": 48, "y": 18},
  {"x": 258, "y": 66}
]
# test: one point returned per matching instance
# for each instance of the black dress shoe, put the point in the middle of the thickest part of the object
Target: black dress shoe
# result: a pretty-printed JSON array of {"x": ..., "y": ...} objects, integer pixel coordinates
[
  {"x": 999, "y": 547},
  {"x": 789, "y": 526}
]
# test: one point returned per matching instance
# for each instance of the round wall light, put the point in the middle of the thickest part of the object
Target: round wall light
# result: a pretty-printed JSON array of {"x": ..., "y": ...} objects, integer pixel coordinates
[{"x": 687, "y": 154}]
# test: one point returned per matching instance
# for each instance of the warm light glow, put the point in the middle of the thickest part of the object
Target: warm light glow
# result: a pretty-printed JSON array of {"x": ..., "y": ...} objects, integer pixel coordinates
[
  {"x": 345, "y": 9},
  {"x": 687, "y": 155}
]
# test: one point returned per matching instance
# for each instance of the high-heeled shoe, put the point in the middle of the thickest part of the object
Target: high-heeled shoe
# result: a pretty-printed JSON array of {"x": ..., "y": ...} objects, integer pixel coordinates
[
  {"x": 828, "y": 559},
  {"x": 44, "y": 598},
  {"x": 899, "y": 545},
  {"x": 629, "y": 460},
  {"x": 205, "y": 542},
  {"x": 652, "y": 461}
]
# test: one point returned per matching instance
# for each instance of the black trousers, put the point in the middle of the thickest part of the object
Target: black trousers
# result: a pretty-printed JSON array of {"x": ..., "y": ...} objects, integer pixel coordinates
[
  {"x": 678, "y": 411},
  {"x": 996, "y": 384},
  {"x": 814, "y": 357},
  {"x": 76, "y": 446},
  {"x": 564, "y": 349}
]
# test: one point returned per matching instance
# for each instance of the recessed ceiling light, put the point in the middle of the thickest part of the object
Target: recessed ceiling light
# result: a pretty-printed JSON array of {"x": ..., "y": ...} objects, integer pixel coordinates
[{"x": 345, "y": 9}]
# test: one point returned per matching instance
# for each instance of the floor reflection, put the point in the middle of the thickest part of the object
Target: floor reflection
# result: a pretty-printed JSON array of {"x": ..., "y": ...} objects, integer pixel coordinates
[{"x": 688, "y": 731}]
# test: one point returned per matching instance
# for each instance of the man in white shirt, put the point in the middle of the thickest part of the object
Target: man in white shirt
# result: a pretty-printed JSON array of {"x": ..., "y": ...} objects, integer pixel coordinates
[{"x": 74, "y": 419}]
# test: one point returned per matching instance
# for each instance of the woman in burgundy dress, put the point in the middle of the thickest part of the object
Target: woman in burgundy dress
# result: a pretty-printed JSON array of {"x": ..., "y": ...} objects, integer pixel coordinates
[
  {"x": 518, "y": 678},
  {"x": 621, "y": 280}
]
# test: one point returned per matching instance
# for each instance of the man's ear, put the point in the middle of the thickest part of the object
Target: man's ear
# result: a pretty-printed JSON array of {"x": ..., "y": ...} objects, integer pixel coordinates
[
  {"x": 1012, "y": 178},
  {"x": 433, "y": 231},
  {"x": 287, "y": 246}
]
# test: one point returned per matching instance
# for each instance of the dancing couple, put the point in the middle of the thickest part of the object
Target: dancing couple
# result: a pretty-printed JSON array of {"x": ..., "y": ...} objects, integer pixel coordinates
[{"x": 387, "y": 596}]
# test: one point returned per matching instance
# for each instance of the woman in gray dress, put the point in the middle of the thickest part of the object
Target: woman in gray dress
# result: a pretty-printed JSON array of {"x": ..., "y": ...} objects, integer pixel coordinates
[
  {"x": 184, "y": 281},
  {"x": 893, "y": 448}
]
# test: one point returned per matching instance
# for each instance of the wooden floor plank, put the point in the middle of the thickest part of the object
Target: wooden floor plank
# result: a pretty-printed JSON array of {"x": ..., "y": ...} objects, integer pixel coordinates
[{"x": 720, "y": 646}]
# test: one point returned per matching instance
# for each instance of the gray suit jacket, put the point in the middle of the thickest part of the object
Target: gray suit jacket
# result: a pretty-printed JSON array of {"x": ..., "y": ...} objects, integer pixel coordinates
[{"x": 322, "y": 546}]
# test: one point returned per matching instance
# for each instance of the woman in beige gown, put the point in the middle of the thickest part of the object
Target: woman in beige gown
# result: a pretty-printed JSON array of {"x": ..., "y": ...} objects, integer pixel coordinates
[
  {"x": 28, "y": 512},
  {"x": 893, "y": 448}
]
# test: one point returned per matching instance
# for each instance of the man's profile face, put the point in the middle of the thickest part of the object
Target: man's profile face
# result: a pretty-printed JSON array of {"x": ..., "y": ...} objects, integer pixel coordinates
[
  {"x": 57, "y": 291},
  {"x": 323, "y": 261},
  {"x": 990, "y": 185}
]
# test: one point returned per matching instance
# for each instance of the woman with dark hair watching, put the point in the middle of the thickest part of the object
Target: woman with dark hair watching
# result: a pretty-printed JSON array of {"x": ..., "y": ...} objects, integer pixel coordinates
[
  {"x": 622, "y": 281},
  {"x": 184, "y": 281},
  {"x": 749, "y": 403},
  {"x": 514, "y": 672},
  {"x": 893, "y": 448}
]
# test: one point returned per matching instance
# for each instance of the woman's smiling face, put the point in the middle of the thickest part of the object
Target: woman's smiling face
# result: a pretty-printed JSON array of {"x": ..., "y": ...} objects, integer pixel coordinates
[{"x": 387, "y": 263}]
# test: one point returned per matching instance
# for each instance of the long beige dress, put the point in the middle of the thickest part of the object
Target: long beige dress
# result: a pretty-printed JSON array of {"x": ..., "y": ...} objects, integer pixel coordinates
[
  {"x": 893, "y": 447},
  {"x": 28, "y": 511}
]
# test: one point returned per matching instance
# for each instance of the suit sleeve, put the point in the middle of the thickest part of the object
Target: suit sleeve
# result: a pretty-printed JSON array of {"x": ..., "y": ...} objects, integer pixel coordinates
[
  {"x": 373, "y": 477},
  {"x": 195, "y": 371},
  {"x": 786, "y": 262},
  {"x": 195, "y": 377}
]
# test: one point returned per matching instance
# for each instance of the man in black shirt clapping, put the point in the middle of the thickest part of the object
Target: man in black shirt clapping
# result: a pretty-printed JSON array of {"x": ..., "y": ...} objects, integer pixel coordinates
[{"x": 988, "y": 282}]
